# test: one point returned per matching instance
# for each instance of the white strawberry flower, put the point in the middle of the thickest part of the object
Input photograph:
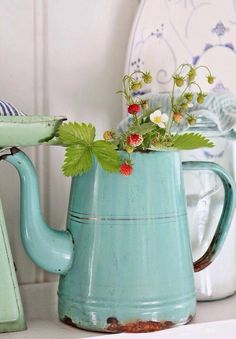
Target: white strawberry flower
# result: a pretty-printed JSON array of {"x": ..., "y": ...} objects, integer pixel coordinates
[{"x": 159, "y": 119}]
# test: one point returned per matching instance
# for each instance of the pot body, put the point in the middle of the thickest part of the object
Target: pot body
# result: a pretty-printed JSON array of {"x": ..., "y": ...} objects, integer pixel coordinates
[{"x": 132, "y": 269}]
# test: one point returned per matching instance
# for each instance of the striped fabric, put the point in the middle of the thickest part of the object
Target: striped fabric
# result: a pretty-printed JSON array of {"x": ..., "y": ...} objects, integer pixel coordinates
[
  {"x": 8, "y": 109},
  {"x": 219, "y": 107}
]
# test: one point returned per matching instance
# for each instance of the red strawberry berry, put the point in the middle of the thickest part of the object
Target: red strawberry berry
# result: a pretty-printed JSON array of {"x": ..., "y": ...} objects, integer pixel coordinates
[
  {"x": 134, "y": 140},
  {"x": 126, "y": 169},
  {"x": 134, "y": 109}
]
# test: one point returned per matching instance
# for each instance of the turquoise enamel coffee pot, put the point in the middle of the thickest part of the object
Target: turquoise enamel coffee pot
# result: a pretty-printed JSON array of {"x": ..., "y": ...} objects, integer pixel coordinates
[{"x": 125, "y": 259}]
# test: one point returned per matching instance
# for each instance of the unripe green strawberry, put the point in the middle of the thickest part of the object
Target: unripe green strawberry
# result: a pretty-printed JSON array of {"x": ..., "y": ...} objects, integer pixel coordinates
[
  {"x": 147, "y": 78},
  {"x": 129, "y": 149},
  {"x": 136, "y": 85},
  {"x": 200, "y": 98},
  {"x": 144, "y": 104},
  {"x": 154, "y": 142},
  {"x": 107, "y": 135},
  {"x": 189, "y": 96},
  {"x": 210, "y": 79},
  {"x": 192, "y": 120},
  {"x": 184, "y": 106},
  {"x": 191, "y": 74},
  {"x": 179, "y": 80}
]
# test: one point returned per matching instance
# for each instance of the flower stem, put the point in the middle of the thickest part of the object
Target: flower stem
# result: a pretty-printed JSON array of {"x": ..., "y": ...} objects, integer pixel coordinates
[
  {"x": 170, "y": 121},
  {"x": 203, "y": 66}
]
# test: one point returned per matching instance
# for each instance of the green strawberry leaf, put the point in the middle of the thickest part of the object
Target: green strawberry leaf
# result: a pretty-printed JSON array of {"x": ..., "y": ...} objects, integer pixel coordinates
[
  {"x": 72, "y": 133},
  {"x": 78, "y": 160},
  {"x": 144, "y": 128},
  {"x": 106, "y": 155},
  {"x": 190, "y": 141}
]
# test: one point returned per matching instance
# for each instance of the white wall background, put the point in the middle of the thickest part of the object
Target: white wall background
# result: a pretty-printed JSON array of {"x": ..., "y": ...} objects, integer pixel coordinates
[{"x": 59, "y": 57}]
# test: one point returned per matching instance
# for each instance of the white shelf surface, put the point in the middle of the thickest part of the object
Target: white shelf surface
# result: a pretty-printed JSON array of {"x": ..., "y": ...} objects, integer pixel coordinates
[{"x": 40, "y": 306}]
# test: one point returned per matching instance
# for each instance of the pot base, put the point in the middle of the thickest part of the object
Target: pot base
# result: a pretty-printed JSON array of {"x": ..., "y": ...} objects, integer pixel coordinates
[{"x": 140, "y": 326}]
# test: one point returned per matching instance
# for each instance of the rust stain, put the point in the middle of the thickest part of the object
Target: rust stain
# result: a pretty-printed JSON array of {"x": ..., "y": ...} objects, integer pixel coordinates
[
  {"x": 68, "y": 321},
  {"x": 200, "y": 266},
  {"x": 139, "y": 326},
  {"x": 208, "y": 257},
  {"x": 12, "y": 150}
]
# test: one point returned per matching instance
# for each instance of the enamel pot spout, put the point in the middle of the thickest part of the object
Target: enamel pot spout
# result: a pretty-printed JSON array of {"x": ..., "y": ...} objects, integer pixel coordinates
[{"x": 49, "y": 248}]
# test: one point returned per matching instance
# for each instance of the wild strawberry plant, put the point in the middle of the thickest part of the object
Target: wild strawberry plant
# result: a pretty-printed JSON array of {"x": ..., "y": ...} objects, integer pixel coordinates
[{"x": 149, "y": 130}]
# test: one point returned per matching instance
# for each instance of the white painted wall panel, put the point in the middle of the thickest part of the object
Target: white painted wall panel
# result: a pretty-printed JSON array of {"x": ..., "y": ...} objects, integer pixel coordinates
[
  {"x": 59, "y": 57},
  {"x": 87, "y": 42},
  {"x": 16, "y": 86}
]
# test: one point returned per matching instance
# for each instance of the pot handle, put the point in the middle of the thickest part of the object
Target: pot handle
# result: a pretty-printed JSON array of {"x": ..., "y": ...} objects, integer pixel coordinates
[{"x": 227, "y": 212}]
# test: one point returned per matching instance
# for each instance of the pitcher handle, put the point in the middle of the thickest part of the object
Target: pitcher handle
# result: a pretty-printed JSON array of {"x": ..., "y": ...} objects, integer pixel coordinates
[{"x": 227, "y": 213}]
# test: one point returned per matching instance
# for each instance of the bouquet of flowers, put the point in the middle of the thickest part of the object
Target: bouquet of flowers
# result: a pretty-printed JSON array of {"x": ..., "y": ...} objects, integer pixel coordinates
[{"x": 148, "y": 130}]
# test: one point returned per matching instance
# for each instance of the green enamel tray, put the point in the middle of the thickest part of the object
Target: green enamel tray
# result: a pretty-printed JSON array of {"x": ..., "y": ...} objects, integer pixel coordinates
[{"x": 28, "y": 130}]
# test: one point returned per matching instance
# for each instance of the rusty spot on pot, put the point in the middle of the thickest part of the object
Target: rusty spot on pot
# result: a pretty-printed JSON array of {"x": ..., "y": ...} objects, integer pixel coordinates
[
  {"x": 139, "y": 326},
  {"x": 208, "y": 257},
  {"x": 200, "y": 266},
  {"x": 68, "y": 321},
  {"x": 12, "y": 151}
]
